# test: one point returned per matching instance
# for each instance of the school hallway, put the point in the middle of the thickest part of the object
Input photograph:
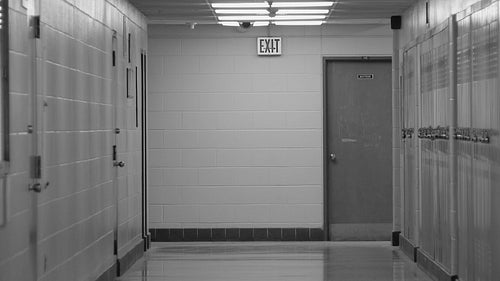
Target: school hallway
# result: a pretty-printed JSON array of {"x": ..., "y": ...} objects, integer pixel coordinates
[{"x": 187, "y": 140}]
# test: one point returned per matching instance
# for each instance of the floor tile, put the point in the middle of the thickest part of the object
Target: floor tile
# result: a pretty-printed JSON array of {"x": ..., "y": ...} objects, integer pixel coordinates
[{"x": 275, "y": 261}]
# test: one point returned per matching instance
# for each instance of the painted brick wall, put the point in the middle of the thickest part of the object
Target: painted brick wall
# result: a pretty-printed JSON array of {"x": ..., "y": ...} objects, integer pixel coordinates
[
  {"x": 71, "y": 222},
  {"x": 236, "y": 140}
]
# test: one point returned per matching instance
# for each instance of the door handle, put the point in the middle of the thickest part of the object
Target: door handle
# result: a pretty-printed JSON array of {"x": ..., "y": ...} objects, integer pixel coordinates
[
  {"x": 333, "y": 157},
  {"x": 36, "y": 187},
  {"x": 120, "y": 164}
]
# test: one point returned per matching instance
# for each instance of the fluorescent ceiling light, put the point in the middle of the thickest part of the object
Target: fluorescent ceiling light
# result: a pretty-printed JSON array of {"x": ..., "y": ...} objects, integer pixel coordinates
[
  {"x": 240, "y": 5},
  {"x": 301, "y": 11},
  {"x": 261, "y": 23},
  {"x": 316, "y": 22},
  {"x": 242, "y": 11},
  {"x": 301, "y": 4},
  {"x": 235, "y": 23},
  {"x": 300, "y": 17},
  {"x": 229, "y": 23},
  {"x": 267, "y": 18},
  {"x": 244, "y": 18}
]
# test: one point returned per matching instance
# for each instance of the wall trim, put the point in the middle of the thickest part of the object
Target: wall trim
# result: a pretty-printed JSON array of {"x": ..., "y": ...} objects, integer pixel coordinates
[
  {"x": 235, "y": 234},
  {"x": 147, "y": 241},
  {"x": 395, "y": 238},
  {"x": 408, "y": 248},
  {"x": 432, "y": 268},
  {"x": 124, "y": 263},
  {"x": 109, "y": 274}
]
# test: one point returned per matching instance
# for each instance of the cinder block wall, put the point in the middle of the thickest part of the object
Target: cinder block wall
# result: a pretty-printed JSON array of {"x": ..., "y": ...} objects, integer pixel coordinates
[
  {"x": 236, "y": 140},
  {"x": 70, "y": 223}
]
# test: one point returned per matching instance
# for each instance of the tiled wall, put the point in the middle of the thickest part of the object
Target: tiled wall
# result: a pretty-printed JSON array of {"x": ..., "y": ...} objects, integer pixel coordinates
[
  {"x": 236, "y": 140},
  {"x": 71, "y": 223}
]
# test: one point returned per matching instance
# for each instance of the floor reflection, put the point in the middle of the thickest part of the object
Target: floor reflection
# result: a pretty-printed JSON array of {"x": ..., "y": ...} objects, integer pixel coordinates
[{"x": 311, "y": 261}]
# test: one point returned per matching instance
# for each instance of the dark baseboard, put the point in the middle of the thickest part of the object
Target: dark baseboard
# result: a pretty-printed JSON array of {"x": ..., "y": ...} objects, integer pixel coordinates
[
  {"x": 147, "y": 241},
  {"x": 408, "y": 248},
  {"x": 235, "y": 234},
  {"x": 432, "y": 268},
  {"x": 108, "y": 275},
  {"x": 395, "y": 238},
  {"x": 130, "y": 258}
]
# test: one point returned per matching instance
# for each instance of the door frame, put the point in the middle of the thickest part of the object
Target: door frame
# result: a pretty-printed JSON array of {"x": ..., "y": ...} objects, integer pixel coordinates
[
  {"x": 115, "y": 91},
  {"x": 326, "y": 148},
  {"x": 146, "y": 235}
]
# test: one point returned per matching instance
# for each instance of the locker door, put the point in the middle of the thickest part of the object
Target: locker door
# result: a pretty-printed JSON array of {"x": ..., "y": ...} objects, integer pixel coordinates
[{"x": 409, "y": 144}]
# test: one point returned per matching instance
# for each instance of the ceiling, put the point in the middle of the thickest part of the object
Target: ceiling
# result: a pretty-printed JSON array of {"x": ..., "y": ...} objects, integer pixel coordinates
[{"x": 200, "y": 12}]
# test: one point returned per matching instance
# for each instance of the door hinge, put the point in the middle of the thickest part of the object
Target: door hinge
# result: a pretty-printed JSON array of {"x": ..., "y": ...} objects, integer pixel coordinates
[{"x": 36, "y": 167}]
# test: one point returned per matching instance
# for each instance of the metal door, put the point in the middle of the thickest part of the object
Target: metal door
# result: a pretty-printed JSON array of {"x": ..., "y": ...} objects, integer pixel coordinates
[
  {"x": 35, "y": 131},
  {"x": 359, "y": 137},
  {"x": 144, "y": 142},
  {"x": 119, "y": 173}
]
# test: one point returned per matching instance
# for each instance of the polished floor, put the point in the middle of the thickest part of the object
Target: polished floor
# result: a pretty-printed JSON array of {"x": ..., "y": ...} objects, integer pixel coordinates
[{"x": 311, "y": 261}]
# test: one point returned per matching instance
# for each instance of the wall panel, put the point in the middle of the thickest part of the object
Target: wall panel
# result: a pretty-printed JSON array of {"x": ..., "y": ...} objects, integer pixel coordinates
[
  {"x": 476, "y": 135},
  {"x": 251, "y": 116},
  {"x": 66, "y": 231},
  {"x": 410, "y": 162}
]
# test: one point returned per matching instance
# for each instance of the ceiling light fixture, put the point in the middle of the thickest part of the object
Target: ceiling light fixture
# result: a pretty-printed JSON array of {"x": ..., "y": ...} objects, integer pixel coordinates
[
  {"x": 302, "y": 11},
  {"x": 229, "y": 23},
  {"x": 242, "y": 11},
  {"x": 301, "y": 4},
  {"x": 317, "y": 22},
  {"x": 244, "y": 18},
  {"x": 236, "y": 24},
  {"x": 267, "y": 18},
  {"x": 261, "y": 23},
  {"x": 262, "y": 13},
  {"x": 299, "y": 17},
  {"x": 240, "y": 5}
]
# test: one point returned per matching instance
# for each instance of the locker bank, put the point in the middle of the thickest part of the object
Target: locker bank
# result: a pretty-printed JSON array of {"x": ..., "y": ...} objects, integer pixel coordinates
[{"x": 249, "y": 140}]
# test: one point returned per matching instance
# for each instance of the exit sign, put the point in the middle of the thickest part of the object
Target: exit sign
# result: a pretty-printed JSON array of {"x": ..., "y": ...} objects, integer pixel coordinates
[{"x": 269, "y": 46}]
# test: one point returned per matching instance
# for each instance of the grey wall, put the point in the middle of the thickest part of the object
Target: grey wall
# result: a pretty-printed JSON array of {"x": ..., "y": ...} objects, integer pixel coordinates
[
  {"x": 71, "y": 223},
  {"x": 236, "y": 140}
]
